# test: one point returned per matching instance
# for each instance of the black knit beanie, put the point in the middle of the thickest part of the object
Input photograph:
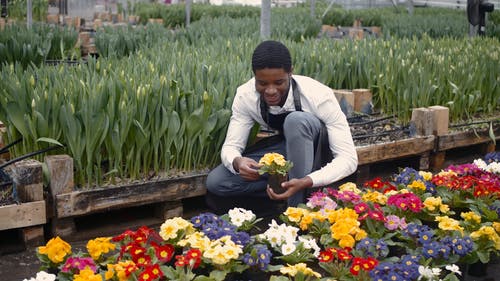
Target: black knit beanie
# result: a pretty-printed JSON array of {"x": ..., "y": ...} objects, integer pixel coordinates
[{"x": 271, "y": 54}]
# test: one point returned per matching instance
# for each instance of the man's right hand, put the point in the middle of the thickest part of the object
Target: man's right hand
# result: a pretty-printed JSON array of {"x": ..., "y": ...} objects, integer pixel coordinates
[{"x": 247, "y": 168}]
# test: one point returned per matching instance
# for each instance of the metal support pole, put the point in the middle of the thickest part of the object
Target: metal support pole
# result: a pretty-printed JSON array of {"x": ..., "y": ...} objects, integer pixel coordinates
[
  {"x": 63, "y": 7},
  {"x": 29, "y": 13}
]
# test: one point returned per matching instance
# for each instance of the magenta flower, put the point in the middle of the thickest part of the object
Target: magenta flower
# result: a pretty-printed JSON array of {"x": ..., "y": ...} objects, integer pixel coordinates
[
  {"x": 348, "y": 196},
  {"x": 406, "y": 201},
  {"x": 361, "y": 208},
  {"x": 75, "y": 264}
]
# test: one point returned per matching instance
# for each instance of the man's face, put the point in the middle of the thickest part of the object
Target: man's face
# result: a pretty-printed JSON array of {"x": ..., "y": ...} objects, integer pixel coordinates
[{"x": 272, "y": 85}]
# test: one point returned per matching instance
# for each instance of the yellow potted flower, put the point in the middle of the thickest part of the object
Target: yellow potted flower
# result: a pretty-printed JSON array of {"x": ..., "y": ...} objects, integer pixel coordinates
[{"x": 277, "y": 167}]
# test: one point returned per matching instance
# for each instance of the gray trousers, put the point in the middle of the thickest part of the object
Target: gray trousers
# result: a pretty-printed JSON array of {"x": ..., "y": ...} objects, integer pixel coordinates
[{"x": 301, "y": 134}]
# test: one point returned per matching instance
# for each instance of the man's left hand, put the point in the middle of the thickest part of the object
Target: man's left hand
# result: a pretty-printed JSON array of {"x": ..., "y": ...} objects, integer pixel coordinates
[{"x": 292, "y": 186}]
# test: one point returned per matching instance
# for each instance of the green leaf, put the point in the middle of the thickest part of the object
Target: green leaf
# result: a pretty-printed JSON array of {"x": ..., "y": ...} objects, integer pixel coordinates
[
  {"x": 491, "y": 133},
  {"x": 49, "y": 140},
  {"x": 16, "y": 116}
]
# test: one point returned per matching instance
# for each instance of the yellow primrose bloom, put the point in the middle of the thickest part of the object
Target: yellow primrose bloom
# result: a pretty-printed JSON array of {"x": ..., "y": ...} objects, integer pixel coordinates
[
  {"x": 269, "y": 158},
  {"x": 292, "y": 270},
  {"x": 489, "y": 233},
  {"x": 170, "y": 228},
  {"x": 99, "y": 246},
  {"x": 417, "y": 185},
  {"x": 375, "y": 197},
  {"x": 433, "y": 203},
  {"x": 222, "y": 250},
  {"x": 306, "y": 221},
  {"x": 87, "y": 275},
  {"x": 426, "y": 175},
  {"x": 360, "y": 234},
  {"x": 471, "y": 216},
  {"x": 196, "y": 240},
  {"x": 340, "y": 214},
  {"x": 56, "y": 250},
  {"x": 121, "y": 269},
  {"x": 347, "y": 241},
  {"x": 295, "y": 214},
  {"x": 443, "y": 208},
  {"x": 430, "y": 203},
  {"x": 447, "y": 223},
  {"x": 496, "y": 226},
  {"x": 349, "y": 186}
]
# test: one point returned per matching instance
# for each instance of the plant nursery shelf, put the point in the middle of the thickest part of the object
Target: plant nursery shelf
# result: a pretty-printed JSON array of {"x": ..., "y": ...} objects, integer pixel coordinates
[
  {"x": 103, "y": 199},
  {"x": 22, "y": 215},
  {"x": 370, "y": 154}
]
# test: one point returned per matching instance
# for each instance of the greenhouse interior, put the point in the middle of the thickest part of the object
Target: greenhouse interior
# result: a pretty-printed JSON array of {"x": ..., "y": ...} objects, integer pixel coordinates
[{"x": 282, "y": 140}]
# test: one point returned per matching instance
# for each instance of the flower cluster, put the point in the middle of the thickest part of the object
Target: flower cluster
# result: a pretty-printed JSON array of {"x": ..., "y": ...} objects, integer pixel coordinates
[
  {"x": 416, "y": 226},
  {"x": 274, "y": 163}
]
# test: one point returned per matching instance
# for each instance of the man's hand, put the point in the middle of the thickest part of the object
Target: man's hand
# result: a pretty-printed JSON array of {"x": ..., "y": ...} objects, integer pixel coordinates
[
  {"x": 247, "y": 167},
  {"x": 292, "y": 186}
]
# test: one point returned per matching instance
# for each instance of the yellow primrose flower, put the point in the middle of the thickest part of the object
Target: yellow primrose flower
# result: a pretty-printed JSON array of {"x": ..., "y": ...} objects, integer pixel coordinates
[
  {"x": 447, "y": 223},
  {"x": 56, "y": 250},
  {"x": 99, "y": 246},
  {"x": 274, "y": 163},
  {"x": 431, "y": 203},
  {"x": 295, "y": 214},
  {"x": 375, "y": 197},
  {"x": 349, "y": 186},
  {"x": 292, "y": 270},
  {"x": 417, "y": 185},
  {"x": 471, "y": 216},
  {"x": 222, "y": 250},
  {"x": 87, "y": 275},
  {"x": 489, "y": 233},
  {"x": 496, "y": 226},
  {"x": 269, "y": 158},
  {"x": 426, "y": 175},
  {"x": 171, "y": 227},
  {"x": 196, "y": 240},
  {"x": 120, "y": 269}
]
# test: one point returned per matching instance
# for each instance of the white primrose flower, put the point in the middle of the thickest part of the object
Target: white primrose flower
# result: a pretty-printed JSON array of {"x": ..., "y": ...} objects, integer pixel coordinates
[
  {"x": 453, "y": 268},
  {"x": 288, "y": 248},
  {"x": 310, "y": 244},
  {"x": 239, "y": 215},
  {"x": 428, "y": 273},
  {"x": 480, "y": 164},
  {"x": 42, "y": 276}
]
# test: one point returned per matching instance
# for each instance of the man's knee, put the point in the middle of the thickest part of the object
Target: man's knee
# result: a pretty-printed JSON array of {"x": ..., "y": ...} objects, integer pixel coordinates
[
  {"x": 299, "y": 123},
  {"x": 213, "y": 182}
]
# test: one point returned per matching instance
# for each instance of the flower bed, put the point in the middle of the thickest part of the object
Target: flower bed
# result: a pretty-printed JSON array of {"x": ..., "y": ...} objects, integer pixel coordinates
[{"x": 417, "y": 226}]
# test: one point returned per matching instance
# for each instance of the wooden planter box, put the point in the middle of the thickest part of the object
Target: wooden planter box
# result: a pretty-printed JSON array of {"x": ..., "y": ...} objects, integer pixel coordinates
[
  {"x": 85, "y": 202},
  {"x": 29, "y": 216},
  {"x": 396, "y": 149},
  {"x": 22, "y": 215},
  {"x": 465, "y": 138}
]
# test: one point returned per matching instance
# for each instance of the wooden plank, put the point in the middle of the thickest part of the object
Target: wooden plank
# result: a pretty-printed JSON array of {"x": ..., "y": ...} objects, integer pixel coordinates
[
  {"x": 33, "y": 236},
  {"x": 25, "y": 214},
  {"x": 103, "y": 199},
  {"x": 28, "y": 176},
  {"x": 466, "y": 138},
  {"x": 394, "y": 150}
]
